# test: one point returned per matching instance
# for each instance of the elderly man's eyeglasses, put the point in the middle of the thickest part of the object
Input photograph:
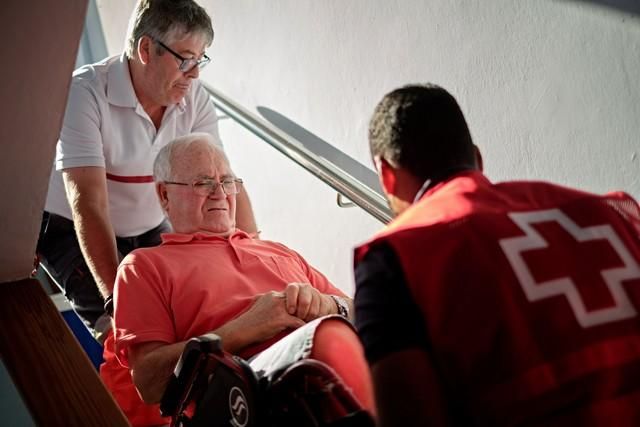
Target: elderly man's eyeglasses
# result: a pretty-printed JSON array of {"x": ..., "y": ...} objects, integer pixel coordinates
[
  {"x": 187, "y": 64},
  {"x": 204, "y": 187}
]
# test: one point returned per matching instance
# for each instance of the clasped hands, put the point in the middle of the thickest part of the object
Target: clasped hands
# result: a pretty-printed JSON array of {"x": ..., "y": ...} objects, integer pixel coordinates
[
  {"x": 305, "y": 302},
  {"x": 273, "y": 312}
]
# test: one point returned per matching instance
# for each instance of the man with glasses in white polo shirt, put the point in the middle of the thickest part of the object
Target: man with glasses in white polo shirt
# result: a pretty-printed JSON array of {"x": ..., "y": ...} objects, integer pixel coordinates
[{"x": 121, "y": 111}]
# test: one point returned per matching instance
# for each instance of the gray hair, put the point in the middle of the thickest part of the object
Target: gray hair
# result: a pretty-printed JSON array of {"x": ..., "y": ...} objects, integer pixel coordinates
[
  {"x": 162, "y": 166},
  {"x": 168, "y": 21}
]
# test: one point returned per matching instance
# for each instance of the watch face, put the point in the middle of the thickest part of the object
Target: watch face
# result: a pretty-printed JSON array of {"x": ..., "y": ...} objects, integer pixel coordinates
[
  {"x": 344, "y": 311},
  {"x": 343, "y": 308}
]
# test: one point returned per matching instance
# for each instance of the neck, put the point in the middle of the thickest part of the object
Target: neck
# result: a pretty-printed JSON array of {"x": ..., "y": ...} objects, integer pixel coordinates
[
  {"x": 407, "y": 186},
  {"x": 404, "y": 191},
  {"x": 445, "y": 175}
]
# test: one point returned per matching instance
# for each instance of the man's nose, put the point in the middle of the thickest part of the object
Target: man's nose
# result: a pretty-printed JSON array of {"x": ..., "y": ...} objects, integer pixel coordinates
[
  {"x": 217, "y": 192},
  {"x": 193, "y": 73}
]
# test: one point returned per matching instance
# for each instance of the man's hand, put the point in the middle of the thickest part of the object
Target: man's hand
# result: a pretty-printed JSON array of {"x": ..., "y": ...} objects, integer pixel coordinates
[
  {"x": 307, "y": 303},
  {"x": 266, "y": 318}
]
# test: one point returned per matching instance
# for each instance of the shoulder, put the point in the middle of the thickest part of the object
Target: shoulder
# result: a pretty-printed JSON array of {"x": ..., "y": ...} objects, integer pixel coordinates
[
  {"x": 539, "y": 195},
  {"x": 147, "y": 258},
  {"x": 93, "y": 75},
  {"x": 419, "y": 230},
  {"x": 143, "y": 268},
  {"x": 89, "y": 83},
  {"x": 541, "y": 191}
]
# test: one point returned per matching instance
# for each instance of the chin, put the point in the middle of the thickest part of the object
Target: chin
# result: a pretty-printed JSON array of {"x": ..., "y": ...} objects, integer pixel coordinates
[{"x": 178, "y": 95}]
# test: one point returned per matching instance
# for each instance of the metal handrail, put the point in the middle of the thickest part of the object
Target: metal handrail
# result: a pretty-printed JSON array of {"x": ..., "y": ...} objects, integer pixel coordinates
[{"x": 335, "y": 177}]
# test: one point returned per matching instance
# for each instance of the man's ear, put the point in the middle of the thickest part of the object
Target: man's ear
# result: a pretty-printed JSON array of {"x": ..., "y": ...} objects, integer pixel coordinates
[
  {"x": 387, "y": 175},
  {"x": 161, "y": 191},
  {"x": 479, "y": 162},
  {"x": 144, "y": 49}
]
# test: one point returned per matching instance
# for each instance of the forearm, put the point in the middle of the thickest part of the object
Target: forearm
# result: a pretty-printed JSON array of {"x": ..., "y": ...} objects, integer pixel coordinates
[
  {"x": 239, "y": 334},
  {"x": 98, "y": 245},
  {"x": 245, "y": 220},
  {"x": 86, "y": 189},
  {"x": 154, "y": 363},
  {"x": 152, "y": 369}
]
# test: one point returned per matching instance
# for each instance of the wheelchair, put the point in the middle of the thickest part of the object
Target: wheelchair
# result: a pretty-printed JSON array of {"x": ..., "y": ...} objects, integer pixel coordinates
[{"x": 210, "y": 387}]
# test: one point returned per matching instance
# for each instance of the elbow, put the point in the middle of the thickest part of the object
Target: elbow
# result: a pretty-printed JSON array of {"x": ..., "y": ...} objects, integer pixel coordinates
[
  {"x": 149, "y": 393},
  {"x": 149, "y": 398}
]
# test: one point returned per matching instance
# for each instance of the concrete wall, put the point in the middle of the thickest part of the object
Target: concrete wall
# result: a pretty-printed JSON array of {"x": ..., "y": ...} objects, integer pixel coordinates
[{"x": 550, "y": 90}]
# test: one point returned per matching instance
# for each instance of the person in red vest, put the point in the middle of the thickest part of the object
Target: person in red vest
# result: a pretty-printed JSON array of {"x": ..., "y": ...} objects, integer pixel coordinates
[{"x": 496, "y": 304}]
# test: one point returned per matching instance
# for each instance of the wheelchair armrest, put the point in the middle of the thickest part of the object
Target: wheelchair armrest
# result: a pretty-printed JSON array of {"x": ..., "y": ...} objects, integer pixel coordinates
[{"x": 191, "y": 361}]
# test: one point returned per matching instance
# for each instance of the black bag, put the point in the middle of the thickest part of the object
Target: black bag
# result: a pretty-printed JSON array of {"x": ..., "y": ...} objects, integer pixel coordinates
[{"x": 210, "y": 388}]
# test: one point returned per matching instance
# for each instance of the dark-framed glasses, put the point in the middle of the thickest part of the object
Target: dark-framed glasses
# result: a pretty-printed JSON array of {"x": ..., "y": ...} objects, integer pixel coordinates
[
  {"x": 204, "y": 187},
  {"x": 186, "y": 64}
]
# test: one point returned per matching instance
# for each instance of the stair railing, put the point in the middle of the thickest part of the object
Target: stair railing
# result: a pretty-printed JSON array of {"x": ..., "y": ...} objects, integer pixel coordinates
[{"x": 340, "y": 180}]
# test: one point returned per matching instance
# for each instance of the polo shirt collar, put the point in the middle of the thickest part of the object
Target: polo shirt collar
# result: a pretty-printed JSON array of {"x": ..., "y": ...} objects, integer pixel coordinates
[
  {"x": 169, "y": 238},
  {"x": 119, "y": 86},
  {"x": 180, "y": 107}
]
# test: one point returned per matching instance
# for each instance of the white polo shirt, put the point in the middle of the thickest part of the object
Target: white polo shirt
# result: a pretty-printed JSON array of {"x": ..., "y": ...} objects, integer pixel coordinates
[{"x": 105, "y": 125}]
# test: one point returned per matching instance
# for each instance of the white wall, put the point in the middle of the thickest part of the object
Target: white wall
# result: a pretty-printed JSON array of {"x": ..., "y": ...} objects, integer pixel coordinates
[{"x": 550, "y": 90}]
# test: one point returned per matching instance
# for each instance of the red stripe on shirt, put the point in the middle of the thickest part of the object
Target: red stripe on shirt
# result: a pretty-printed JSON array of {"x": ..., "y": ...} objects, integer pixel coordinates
[{"x": 131, "y": 179}]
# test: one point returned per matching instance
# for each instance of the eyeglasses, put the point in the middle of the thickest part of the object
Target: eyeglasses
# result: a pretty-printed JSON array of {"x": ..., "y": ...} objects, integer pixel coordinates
[
  {"x": 187, "y": 64},
  {"x": 204, "y": 187}
]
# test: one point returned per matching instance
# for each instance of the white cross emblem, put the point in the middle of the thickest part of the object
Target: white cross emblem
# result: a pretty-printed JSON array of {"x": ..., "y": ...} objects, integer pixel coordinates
[{"x": 513, "y": 248}]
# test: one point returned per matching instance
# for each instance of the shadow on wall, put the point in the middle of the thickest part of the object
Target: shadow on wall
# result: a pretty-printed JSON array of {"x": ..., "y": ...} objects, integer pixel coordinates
[
  {"x": 630, "y": 6},
  {"x": 322, "y": 148}
]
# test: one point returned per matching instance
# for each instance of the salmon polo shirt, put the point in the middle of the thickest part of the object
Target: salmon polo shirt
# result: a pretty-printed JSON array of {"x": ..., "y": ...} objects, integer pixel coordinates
[
  {"x": 194, "y": 283},
  {"x": 190, "y": 285}
]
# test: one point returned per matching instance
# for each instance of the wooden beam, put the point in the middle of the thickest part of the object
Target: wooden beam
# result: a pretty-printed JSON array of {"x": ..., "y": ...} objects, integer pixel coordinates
[{"x": 58, "y": 383}]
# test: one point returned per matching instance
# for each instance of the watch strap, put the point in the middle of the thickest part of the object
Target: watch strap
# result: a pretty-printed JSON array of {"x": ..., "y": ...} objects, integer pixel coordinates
[{"x": 341, "y": 304}]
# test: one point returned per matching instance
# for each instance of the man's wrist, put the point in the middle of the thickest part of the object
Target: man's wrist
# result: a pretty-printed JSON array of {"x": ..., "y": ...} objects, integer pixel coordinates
[{"x": 341, "y": 306}]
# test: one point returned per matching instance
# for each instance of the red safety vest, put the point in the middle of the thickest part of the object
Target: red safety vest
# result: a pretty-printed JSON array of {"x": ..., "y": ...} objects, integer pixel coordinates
[{"x": 530, "y": 295}]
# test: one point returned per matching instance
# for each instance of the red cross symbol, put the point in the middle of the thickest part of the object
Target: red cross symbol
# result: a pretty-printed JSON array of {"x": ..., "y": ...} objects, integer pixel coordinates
[{"x": 612, "y": 268}]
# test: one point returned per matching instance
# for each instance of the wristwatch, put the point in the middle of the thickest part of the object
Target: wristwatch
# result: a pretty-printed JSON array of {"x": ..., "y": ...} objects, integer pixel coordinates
[
  {"x": 341, "y": 304},
  {"x": 108, "y": 305}
]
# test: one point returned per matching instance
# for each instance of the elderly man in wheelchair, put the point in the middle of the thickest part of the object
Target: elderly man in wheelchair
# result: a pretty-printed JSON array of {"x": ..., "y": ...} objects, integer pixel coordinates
[{"x": 222, "y": 328}]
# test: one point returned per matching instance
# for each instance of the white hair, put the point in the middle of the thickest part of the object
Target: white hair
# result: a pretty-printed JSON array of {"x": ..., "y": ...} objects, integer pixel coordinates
[{"x": 162, "y": 166}]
